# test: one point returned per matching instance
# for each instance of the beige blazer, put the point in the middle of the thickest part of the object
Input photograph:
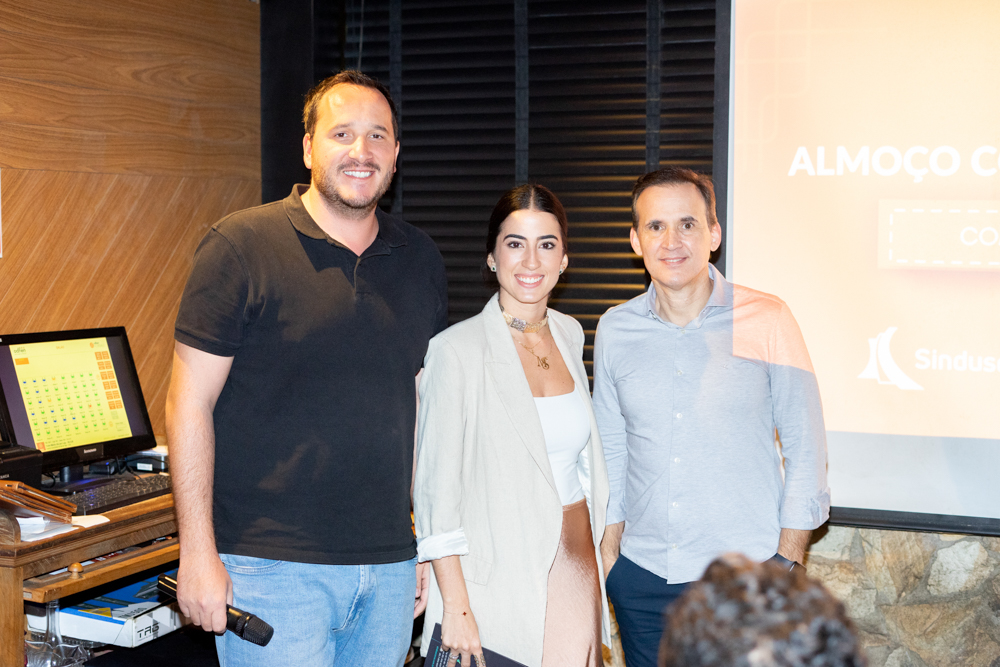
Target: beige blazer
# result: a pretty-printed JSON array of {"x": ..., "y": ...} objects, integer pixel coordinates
[{"x": 482, "y": 468}]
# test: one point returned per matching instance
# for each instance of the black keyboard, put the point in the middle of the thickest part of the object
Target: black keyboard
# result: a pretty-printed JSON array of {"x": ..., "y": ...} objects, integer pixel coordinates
[{"x": 119, "y": 493}]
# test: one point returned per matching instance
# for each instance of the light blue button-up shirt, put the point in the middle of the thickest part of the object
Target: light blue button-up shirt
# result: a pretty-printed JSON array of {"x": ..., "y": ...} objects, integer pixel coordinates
[{"x": 688, "y": 418}]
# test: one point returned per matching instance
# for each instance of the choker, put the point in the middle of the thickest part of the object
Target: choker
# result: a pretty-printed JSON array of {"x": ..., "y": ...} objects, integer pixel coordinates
[{"x": 522, "y": 325}]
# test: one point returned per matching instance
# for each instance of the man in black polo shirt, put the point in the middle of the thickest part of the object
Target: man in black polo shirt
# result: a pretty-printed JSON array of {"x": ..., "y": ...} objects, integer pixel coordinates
[{"x": 291, "y": 408}]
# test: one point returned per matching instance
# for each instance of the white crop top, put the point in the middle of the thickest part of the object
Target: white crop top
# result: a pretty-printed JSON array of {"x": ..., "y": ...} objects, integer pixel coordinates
[{"x": 566, "y": 426}]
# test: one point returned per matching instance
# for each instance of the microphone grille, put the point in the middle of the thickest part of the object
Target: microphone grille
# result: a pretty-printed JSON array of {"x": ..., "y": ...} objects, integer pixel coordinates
[{"x": 257, "y": 631}]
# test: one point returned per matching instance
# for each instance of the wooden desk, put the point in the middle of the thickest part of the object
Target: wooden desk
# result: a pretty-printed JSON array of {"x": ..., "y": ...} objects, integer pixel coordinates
[{"x": 21, "y": 563}]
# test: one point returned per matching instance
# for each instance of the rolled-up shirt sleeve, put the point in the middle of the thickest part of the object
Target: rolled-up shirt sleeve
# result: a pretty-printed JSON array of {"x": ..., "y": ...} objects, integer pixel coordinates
[
  {"x": 437, "y": 490},
  {"x": 798, "y": 417},
  {"x": 611, "y": 424},
  {"x": 433, "y": 547}
]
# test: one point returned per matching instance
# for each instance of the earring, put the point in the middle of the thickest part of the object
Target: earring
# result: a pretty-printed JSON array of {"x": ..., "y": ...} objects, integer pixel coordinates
[
  {"x": 493, "y": 268},
  {"x": 560, "y": 271}
]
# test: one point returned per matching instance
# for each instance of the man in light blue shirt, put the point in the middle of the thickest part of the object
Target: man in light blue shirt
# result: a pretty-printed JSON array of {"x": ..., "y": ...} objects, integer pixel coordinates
[{"x": 691, "y": 382}]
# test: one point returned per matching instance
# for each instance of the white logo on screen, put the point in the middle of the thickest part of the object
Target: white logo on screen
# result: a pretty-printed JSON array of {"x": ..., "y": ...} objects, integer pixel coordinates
[{"x": 881, "y": 363}]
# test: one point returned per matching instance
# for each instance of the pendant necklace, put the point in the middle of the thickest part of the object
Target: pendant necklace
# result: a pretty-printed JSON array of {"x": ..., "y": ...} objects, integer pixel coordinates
[
  {"x": 528, "y": 327},
  {"x": 543, "y": 362}
]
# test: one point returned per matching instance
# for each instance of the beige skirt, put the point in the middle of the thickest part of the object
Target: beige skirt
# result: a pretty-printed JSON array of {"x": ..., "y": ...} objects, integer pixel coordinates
[{"x": 573, "y": 611}]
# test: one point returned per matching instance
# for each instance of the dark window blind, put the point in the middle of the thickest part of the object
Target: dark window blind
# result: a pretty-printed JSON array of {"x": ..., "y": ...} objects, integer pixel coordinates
[
  {"x": 458, "y": 142},
  {"x": 687, "y": 84},
  {"x": 588, "y": 141},
  {"x": 590, "y": 130}
]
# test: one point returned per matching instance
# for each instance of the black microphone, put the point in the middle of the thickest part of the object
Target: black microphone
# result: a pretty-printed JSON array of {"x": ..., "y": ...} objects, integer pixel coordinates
[{"x": 241, "y": 623}]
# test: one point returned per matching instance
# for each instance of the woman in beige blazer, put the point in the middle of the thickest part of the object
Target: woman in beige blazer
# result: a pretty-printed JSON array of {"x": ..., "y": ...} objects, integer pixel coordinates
[{"x": 511, "y": 486}]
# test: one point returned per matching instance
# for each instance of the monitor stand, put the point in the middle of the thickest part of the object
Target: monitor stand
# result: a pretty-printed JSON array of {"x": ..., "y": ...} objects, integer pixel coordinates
[{"x": 71, "y": 480}]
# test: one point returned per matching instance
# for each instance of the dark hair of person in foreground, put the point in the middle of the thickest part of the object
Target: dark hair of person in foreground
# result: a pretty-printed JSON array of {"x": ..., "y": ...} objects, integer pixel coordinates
[{"x": 747, "y": 614}]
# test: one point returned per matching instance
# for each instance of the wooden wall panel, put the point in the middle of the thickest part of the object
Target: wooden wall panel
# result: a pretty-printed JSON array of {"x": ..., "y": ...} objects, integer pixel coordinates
[
  {"x": 44, "y": 105},
  {"x": 187, "y": 49},
  {"x": 113, "y": 250},
  {"x": 126, "y": 130},
  {"x": 130, "y": 86},
  {"x": 70, "y": 149}
]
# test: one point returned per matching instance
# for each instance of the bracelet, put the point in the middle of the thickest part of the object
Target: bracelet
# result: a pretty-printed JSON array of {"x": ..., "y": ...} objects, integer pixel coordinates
[{"x": 456, "y": 613}]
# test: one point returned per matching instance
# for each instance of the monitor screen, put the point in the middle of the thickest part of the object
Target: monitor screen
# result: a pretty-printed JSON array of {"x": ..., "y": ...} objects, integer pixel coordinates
[{"x": 73, "y": 395}]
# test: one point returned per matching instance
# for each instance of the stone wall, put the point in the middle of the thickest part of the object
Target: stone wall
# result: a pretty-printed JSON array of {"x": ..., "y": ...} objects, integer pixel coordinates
[{"x": 919, "y": 599}]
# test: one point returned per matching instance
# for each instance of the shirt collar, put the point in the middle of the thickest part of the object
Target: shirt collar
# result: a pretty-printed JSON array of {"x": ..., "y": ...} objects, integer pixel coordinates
[
  {"x": 721, "y": 297},
  {"x": 389, "y": 232}
]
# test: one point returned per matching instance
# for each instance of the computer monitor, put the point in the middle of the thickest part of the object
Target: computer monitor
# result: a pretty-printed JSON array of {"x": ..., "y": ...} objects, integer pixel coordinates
[{"x": 73, "y": 395}]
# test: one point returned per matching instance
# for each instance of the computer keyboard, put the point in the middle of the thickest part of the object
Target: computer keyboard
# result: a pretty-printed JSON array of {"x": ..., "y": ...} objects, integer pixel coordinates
[{"x": 119, "y": 493}]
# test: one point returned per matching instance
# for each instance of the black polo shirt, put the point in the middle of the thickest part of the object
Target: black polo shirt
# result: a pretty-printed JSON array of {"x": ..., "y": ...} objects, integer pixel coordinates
[{"x": 314, "y": 427}]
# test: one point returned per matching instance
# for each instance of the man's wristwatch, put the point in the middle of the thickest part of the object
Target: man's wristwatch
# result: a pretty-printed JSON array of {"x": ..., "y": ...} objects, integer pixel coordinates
[{"x": 784, "y": 562}]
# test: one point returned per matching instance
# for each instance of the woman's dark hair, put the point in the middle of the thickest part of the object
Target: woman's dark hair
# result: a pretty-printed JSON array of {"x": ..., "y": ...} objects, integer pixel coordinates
[{"x": 524, "y": 197}]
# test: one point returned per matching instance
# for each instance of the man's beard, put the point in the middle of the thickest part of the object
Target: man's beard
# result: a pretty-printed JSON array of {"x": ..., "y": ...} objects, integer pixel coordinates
[{"x": 357, "y": 207}]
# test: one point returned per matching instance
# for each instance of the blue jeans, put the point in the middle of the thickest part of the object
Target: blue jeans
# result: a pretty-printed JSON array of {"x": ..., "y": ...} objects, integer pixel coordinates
[
  {"x": 640, "y": 597},
  {"x": 322, "y": 615}
]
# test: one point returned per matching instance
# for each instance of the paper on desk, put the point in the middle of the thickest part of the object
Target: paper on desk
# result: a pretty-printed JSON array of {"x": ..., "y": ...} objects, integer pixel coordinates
[
  {"x": 90, "y": 520},
  {"x": 36, "y": 528},
  {"x": 32, "y": 524}
]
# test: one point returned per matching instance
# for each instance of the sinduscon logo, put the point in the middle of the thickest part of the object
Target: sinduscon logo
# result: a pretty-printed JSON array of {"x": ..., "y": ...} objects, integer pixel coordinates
[{"x": 880, "y": 358}]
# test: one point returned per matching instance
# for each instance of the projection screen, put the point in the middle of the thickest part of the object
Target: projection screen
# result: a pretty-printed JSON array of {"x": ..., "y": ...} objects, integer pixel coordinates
[{"x": 864, "y": 190}]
